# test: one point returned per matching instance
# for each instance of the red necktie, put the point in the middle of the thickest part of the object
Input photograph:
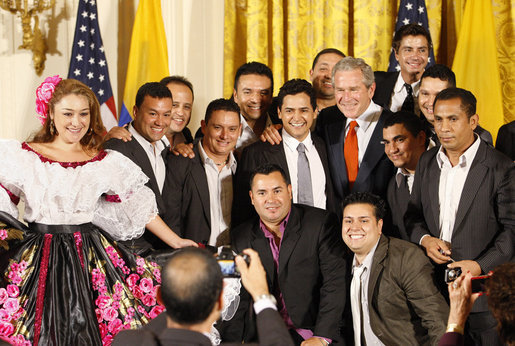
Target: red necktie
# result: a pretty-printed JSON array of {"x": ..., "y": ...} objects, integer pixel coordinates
[{"x": 350, "y": 151}]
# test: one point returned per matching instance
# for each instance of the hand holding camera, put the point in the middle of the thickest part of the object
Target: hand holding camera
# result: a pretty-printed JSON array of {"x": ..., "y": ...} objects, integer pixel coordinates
[{"x": 253, "y": 275}]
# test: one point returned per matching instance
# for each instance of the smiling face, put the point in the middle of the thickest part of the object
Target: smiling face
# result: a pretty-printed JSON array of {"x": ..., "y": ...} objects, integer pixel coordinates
[
  {"x": 360, "y": 229},
  {"x": 181, "y": 107},
  {"x": 297, "y": 115},
  {"x": 352, "y": 96},
  {"x": 412, "y": 55},
  {"x": 402, "y": 148},
  {"x": 271, "y": 197},
  {"x": 453, "y": 126},
  {"x": 220, "y": 133},
  {"x": 254, "y": 95},
  {"x": 153, "y": 117},
  {"x": 321, "y": 75},
  {"x": 429, "y": 88},
  {"x": 71, "y": 117}
]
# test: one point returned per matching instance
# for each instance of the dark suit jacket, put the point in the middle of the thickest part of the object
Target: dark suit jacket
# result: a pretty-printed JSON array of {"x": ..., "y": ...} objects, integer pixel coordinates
[
  {"x": 398, "y": 198},
  {"x": 271, "y": 329},
  {"x": 375, "y": 170},
  {"x": 385, "y": 82},
  {"x": 311, "y": 273},
  {"x": 133, "y": 150},
  {"x": 484, "y": 225},
  {"x": 506, "y": 140},
  {"x": 405, "y": 306},
  {"x": 261, "y": 153},
  {"x": 187, "y": 201}
]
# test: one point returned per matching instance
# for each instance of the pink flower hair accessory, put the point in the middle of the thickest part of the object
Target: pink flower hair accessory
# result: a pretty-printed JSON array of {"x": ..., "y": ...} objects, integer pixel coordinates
[{"x": 43, "y": 95}]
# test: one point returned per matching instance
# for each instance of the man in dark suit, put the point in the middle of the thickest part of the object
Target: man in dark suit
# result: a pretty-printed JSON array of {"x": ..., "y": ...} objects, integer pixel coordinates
[
  {"x": 506, "y": 140},
  {"x": 404, "y": 140},
  {"x": 434, "y": 79},
  {"x": 393, "y": 297},
  {"x": 352, "y": 131},
  {"x": 152, "y": 115},
  {"x": 191, "y": 291},
  {"x": 399, "y": 90},
  {"x": 311, "y": 182},
  {"x": 303, "y": 258},
  {"x": 200, "y": 190},
  {"x": 461, "y": 207},
  {"x": 321, "y": 75}
]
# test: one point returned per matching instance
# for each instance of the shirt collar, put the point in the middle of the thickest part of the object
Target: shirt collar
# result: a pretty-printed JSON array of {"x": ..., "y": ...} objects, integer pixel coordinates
[
  {"x": 292, "y": 143},
  {"x": 159, "y": 145},
  {"x": 245, "y": 124},
  {"x": 206, "y": 159},
  {"x": 465, "y": 159},
  {"x": 370, "y": 115},
  {"x": 368, "y": 260},
  {"x": 401, "y": 173},
  {"x": 282, "y": 227},
  {"x": 399, "y": 85}
]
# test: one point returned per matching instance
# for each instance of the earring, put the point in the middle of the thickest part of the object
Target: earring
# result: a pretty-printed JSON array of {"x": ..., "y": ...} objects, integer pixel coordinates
[
  {"x": 52, "y": 127},
  {"x": 90, "y": 131}
]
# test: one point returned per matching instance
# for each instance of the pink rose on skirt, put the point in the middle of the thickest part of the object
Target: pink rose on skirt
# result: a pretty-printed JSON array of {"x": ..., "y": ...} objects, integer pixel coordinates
[
  {"x": 146, "y": 285},
  {"x": 3, "y": 234},
  {"x": 6, "y": 329},
  {"x": 149, "y": 300},
  {"x": 3, "y": 295},
  {"x": 11, "y": 305},
  {"x": 13, "y": 291},
  {"x": 132, "y": 280},
  {"x": 103, "y": 301},
  {"x": 156, "y": 310},
  {"x": 115, "y": 326},
  {"x": 109, "y": 314}
]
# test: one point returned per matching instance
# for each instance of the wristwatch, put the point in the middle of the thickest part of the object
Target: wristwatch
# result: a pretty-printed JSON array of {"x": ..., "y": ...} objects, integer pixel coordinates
[{"x": 266, "y": 296}]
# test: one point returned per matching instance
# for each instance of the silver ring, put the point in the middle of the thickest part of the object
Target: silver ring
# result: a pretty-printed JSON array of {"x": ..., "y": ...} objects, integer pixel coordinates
[{"x": 455, "y": 285}]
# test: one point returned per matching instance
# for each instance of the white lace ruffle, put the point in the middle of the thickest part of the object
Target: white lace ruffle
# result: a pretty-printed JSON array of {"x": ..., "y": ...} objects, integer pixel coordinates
[
  {"x": 6, "y": 205},
  {"x": 54, "y": 194},
  {"x": 231, "y": 297},
  {"x": 127, "y": 220}
]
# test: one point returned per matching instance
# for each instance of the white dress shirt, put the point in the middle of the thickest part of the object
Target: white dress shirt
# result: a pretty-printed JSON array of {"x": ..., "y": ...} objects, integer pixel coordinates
[
  {"x": 399, "y": 95},
  {"x": 370, "y": 337},
  {"x": 220, "y": 193},
  {"x": 366, "y": 124},
  {"x": 452, "y": 180},
  {"x": 315, "y": 166},
  {"x": 154, "y": 155},
  {"x": 248, "y": 136}
]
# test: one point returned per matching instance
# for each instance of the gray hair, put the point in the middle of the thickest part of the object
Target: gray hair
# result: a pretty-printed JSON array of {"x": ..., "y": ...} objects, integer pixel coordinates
[{"x": 350, "y": 63}]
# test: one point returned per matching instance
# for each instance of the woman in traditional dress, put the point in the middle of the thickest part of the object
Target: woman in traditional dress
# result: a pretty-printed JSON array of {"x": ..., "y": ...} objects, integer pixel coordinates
[{"x": 64, "y": 279}]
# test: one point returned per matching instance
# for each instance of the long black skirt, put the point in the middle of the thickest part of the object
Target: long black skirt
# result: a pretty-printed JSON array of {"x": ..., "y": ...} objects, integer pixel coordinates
[{"x": 71, "y": 285}]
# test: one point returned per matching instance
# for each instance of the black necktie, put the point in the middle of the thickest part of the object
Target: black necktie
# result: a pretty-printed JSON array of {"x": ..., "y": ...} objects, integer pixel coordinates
[{"x": 409, "y": 102}]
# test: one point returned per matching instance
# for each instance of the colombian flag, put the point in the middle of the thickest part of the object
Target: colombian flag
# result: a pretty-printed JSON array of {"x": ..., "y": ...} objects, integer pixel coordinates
[{"x": 148, "y": 56}]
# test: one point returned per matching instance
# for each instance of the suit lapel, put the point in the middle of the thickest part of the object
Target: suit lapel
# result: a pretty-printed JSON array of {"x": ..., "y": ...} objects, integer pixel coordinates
[
  {"x": 377, "y": 265},
  {"x": 473, "y": 181},
  {"x": 373, "y": 153},
  {"x": 278, "y": 155},
  {"x": 290, "y": 237},
  {"x": 199, "y": 177},
  {"x": 433, "y": 188},
  {"x": 336, "y": 141},
  {"x": 262, "y": 245}
]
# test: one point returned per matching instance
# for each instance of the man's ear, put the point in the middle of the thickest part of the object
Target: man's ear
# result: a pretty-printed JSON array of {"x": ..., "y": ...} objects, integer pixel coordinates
[{"x": 159, "y": 297}]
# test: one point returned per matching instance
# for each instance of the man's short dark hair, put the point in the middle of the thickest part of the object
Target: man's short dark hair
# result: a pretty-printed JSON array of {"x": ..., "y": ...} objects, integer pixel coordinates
[
  {"x": 178, "y": 80},
  {"x": 468, "y": 100},
  {"x": 500, "y": 289},
  {"x": 410, "y": 30},
  {"x": 367, "y": 198},
  {"x": 191, "y": 282},
  {"x": 222, "y": 104},
  {"x": 409, "y": 120},
  {"x": 254, "y": 67},
  {"x": 294, "y": 87},
  {"x": 327, "y": 51},
  {"x": 152, "y": 89},
  {"x": 267, "y": 169},
  {"x": 441, "y": 72}
]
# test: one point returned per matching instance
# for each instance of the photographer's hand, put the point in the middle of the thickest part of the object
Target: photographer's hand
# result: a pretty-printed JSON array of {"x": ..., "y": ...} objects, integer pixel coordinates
[
  {"x": 467, "y": 266},
  {"x": 462, "y": 299},
  {"x": 253, "y": 276}
]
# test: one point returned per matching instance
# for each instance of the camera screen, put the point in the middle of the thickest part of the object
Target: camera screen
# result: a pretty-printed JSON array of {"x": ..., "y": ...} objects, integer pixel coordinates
[{"x": 228, "y": 267}]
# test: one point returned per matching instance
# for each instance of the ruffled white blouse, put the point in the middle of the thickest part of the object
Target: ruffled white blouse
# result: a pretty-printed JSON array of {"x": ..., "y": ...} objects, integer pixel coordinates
[{"x": 107, "y": 190}]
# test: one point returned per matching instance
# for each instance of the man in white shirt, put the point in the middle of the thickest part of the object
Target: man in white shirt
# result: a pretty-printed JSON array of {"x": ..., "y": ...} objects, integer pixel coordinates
[
  {"x": 200, "y": 189},
  {"x": 394, "y": 300},
  {"x": 404, "y": 140},
  {"x": 461, "y": 207},
  {"x": 399, "y": 90},
  {"x": 302, "y": 155},
  {"x": 152, "y": 115}
]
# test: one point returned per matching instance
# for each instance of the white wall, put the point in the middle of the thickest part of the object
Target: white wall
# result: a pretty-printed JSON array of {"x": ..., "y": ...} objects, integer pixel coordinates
[{"x": 194, "y": 30}]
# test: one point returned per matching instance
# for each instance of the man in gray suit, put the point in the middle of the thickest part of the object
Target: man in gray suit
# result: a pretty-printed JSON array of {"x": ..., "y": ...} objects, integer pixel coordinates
[
  {"x": 394, "y": 300},
  {"x": 461, "y": 208}
]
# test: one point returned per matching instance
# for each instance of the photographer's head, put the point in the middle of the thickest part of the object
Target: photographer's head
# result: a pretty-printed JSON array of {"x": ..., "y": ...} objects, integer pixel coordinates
[
  {"x": 500, "y": 289},
  {"x": 191, "y": 287}
]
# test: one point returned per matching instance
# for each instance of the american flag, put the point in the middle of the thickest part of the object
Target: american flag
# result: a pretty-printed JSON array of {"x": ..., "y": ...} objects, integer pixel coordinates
[
  {"x": 411, "y": 12},
  {"x": 88, "y": 62}
]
